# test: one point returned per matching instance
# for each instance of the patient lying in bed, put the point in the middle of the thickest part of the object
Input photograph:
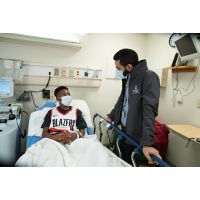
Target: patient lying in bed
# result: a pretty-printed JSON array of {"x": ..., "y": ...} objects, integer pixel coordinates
[
  {"x": 62, "y": 142},
  {"x": 63, "y": 123}
]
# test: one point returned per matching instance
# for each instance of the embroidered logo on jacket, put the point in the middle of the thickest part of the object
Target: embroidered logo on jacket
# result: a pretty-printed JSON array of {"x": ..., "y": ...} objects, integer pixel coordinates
[{"x": 135, "y": 90}]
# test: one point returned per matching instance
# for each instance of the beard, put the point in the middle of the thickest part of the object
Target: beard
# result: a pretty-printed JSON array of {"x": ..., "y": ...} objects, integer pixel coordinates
[{"x": 125, "y": 72}]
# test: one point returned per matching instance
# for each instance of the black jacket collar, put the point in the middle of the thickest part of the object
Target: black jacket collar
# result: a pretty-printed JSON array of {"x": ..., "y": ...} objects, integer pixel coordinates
[{"x": 138, "y": 69}]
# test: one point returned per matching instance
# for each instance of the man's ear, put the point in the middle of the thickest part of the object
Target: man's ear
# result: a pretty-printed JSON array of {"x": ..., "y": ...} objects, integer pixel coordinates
[{"x": 129, "y": 67}]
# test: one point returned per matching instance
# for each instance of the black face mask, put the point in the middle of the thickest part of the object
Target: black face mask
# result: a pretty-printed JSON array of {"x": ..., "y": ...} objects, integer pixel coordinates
[{"x": 126, "y": 72}]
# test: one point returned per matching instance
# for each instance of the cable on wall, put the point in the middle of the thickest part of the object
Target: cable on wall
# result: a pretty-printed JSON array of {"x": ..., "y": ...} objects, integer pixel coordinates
[{"x": 180, "y": 90}]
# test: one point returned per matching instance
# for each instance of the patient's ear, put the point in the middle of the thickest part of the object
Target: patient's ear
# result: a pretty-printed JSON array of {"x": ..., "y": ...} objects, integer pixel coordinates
[{"x": 58, "y": 99}]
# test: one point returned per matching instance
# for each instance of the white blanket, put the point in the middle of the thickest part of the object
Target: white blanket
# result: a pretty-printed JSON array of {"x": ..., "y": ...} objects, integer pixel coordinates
[{"x": 83, "y": 152}]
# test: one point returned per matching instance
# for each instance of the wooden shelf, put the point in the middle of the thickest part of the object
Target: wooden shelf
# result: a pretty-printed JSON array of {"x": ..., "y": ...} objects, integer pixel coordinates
[{"x": 183, "y": 69}]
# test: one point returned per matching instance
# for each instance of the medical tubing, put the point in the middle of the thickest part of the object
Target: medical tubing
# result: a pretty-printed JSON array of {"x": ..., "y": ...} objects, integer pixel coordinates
[
  {"x": 130, "y": 139},
  {"x": 33, "y": 100},
  {"x": 48, "y": 81},
  {"x": 19, "y": 129}
]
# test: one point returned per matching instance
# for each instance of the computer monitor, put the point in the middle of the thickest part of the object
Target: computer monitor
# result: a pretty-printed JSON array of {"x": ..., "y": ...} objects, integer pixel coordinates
[
  {"x": 188, "y": 46},
  {"x": 6, "y": 87}
]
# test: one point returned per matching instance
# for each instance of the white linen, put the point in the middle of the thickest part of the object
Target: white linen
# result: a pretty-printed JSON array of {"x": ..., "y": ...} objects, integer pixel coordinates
[
  {"x": 35, "y": 122},
  {"x": 83, "y": 152}
]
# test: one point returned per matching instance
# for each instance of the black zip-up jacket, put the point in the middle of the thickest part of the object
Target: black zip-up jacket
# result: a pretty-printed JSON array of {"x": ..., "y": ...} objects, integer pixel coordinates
[{"x": 143, "y": 102}]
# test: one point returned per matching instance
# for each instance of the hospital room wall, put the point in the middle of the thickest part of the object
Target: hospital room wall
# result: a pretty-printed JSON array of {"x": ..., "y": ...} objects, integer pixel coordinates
[
  {"x": 97, "y": 51},
  {"x": 159, "y": 54}
]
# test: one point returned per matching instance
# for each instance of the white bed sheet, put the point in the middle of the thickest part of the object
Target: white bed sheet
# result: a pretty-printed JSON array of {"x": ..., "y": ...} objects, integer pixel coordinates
[{"x": 83, "y": 152}]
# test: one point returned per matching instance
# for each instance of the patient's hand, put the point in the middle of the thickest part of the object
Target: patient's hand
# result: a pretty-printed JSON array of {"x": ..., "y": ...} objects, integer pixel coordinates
[
  {"x": 61, "y": 137},
  {"x": 68, "y": 137}
]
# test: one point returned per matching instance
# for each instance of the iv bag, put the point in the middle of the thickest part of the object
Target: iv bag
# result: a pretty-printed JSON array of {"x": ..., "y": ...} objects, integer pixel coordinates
[
  {"x": 18, "y": 71},
  {"x": 8, "y": 66}
]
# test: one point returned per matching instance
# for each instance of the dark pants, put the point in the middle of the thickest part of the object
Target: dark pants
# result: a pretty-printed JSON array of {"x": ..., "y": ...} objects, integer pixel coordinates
[{"x": 126, "y": 150}]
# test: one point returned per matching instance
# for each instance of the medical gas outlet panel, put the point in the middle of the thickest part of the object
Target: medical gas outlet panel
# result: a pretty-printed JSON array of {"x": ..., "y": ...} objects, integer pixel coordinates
[{"x": 78, "y": 73}]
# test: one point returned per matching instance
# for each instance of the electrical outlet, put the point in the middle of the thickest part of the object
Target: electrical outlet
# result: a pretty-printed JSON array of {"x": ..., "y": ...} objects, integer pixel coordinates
[
  {"x": 46, "y": 94},
  {"x": 56, "y": 72},
  {"x": 64, "y": 72},
  {"x": 71, "y": 73},
  {"x": 77, "y": 73}
]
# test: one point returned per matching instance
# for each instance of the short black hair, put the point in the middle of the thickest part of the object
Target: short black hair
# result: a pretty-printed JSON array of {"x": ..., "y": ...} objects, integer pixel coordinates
[
  {"x": 126, "y": 56},
  {"x": 58, "y": 89}
]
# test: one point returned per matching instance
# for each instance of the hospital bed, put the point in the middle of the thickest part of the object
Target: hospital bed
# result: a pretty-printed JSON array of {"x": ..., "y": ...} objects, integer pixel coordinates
[
  {"x": 34, "y": 136},
  {"x": 34, "y": 130},
  {"x": 35, "y": 133},
  {"x": 111, "y": 128}
]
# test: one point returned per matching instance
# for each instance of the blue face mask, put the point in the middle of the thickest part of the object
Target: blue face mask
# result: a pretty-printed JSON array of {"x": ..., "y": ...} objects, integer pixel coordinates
[{"x": 119, "y": 74}]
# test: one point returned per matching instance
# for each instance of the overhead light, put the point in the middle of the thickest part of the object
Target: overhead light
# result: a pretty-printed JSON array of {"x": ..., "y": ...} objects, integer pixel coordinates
[{"x": 69, "y": 37}]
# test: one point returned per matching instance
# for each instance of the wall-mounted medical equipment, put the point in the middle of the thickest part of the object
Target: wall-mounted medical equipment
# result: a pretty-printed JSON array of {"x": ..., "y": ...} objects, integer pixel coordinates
[
  {"x": 27, "y": 95},
  {"x": 83, "y": 73},
  {"x": 10, "y": 134},
  {"x": 10, "y": 117},
  {"x": 6, "y": 88},
  {"x": 71, "y": 76},
  {"x": 188, "y": 46},
  {"x": 34, "y": 73},
  {"x": 12, "y": 68},
  {"x": 64, "y": 72}
]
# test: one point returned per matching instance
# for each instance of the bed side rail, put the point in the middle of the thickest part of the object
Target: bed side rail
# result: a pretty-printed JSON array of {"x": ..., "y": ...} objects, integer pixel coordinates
[{"x": 129, "y": 138}]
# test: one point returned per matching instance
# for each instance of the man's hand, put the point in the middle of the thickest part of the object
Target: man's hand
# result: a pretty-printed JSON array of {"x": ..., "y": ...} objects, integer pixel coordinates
[
  {"x": 108, "y": 119},
  {"x": 150, "y": 150}
]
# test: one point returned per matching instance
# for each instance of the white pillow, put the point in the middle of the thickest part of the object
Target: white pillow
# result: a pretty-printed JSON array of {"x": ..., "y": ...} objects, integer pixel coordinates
[
  {"x": 35, "y": 122},
  {"x": 37, "y": 117}
]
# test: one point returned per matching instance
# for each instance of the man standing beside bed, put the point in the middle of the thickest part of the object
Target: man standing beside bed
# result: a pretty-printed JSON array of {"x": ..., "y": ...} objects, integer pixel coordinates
[
  {"x": 63, "y": 123},
  {"x": 137, "y": 105}
]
